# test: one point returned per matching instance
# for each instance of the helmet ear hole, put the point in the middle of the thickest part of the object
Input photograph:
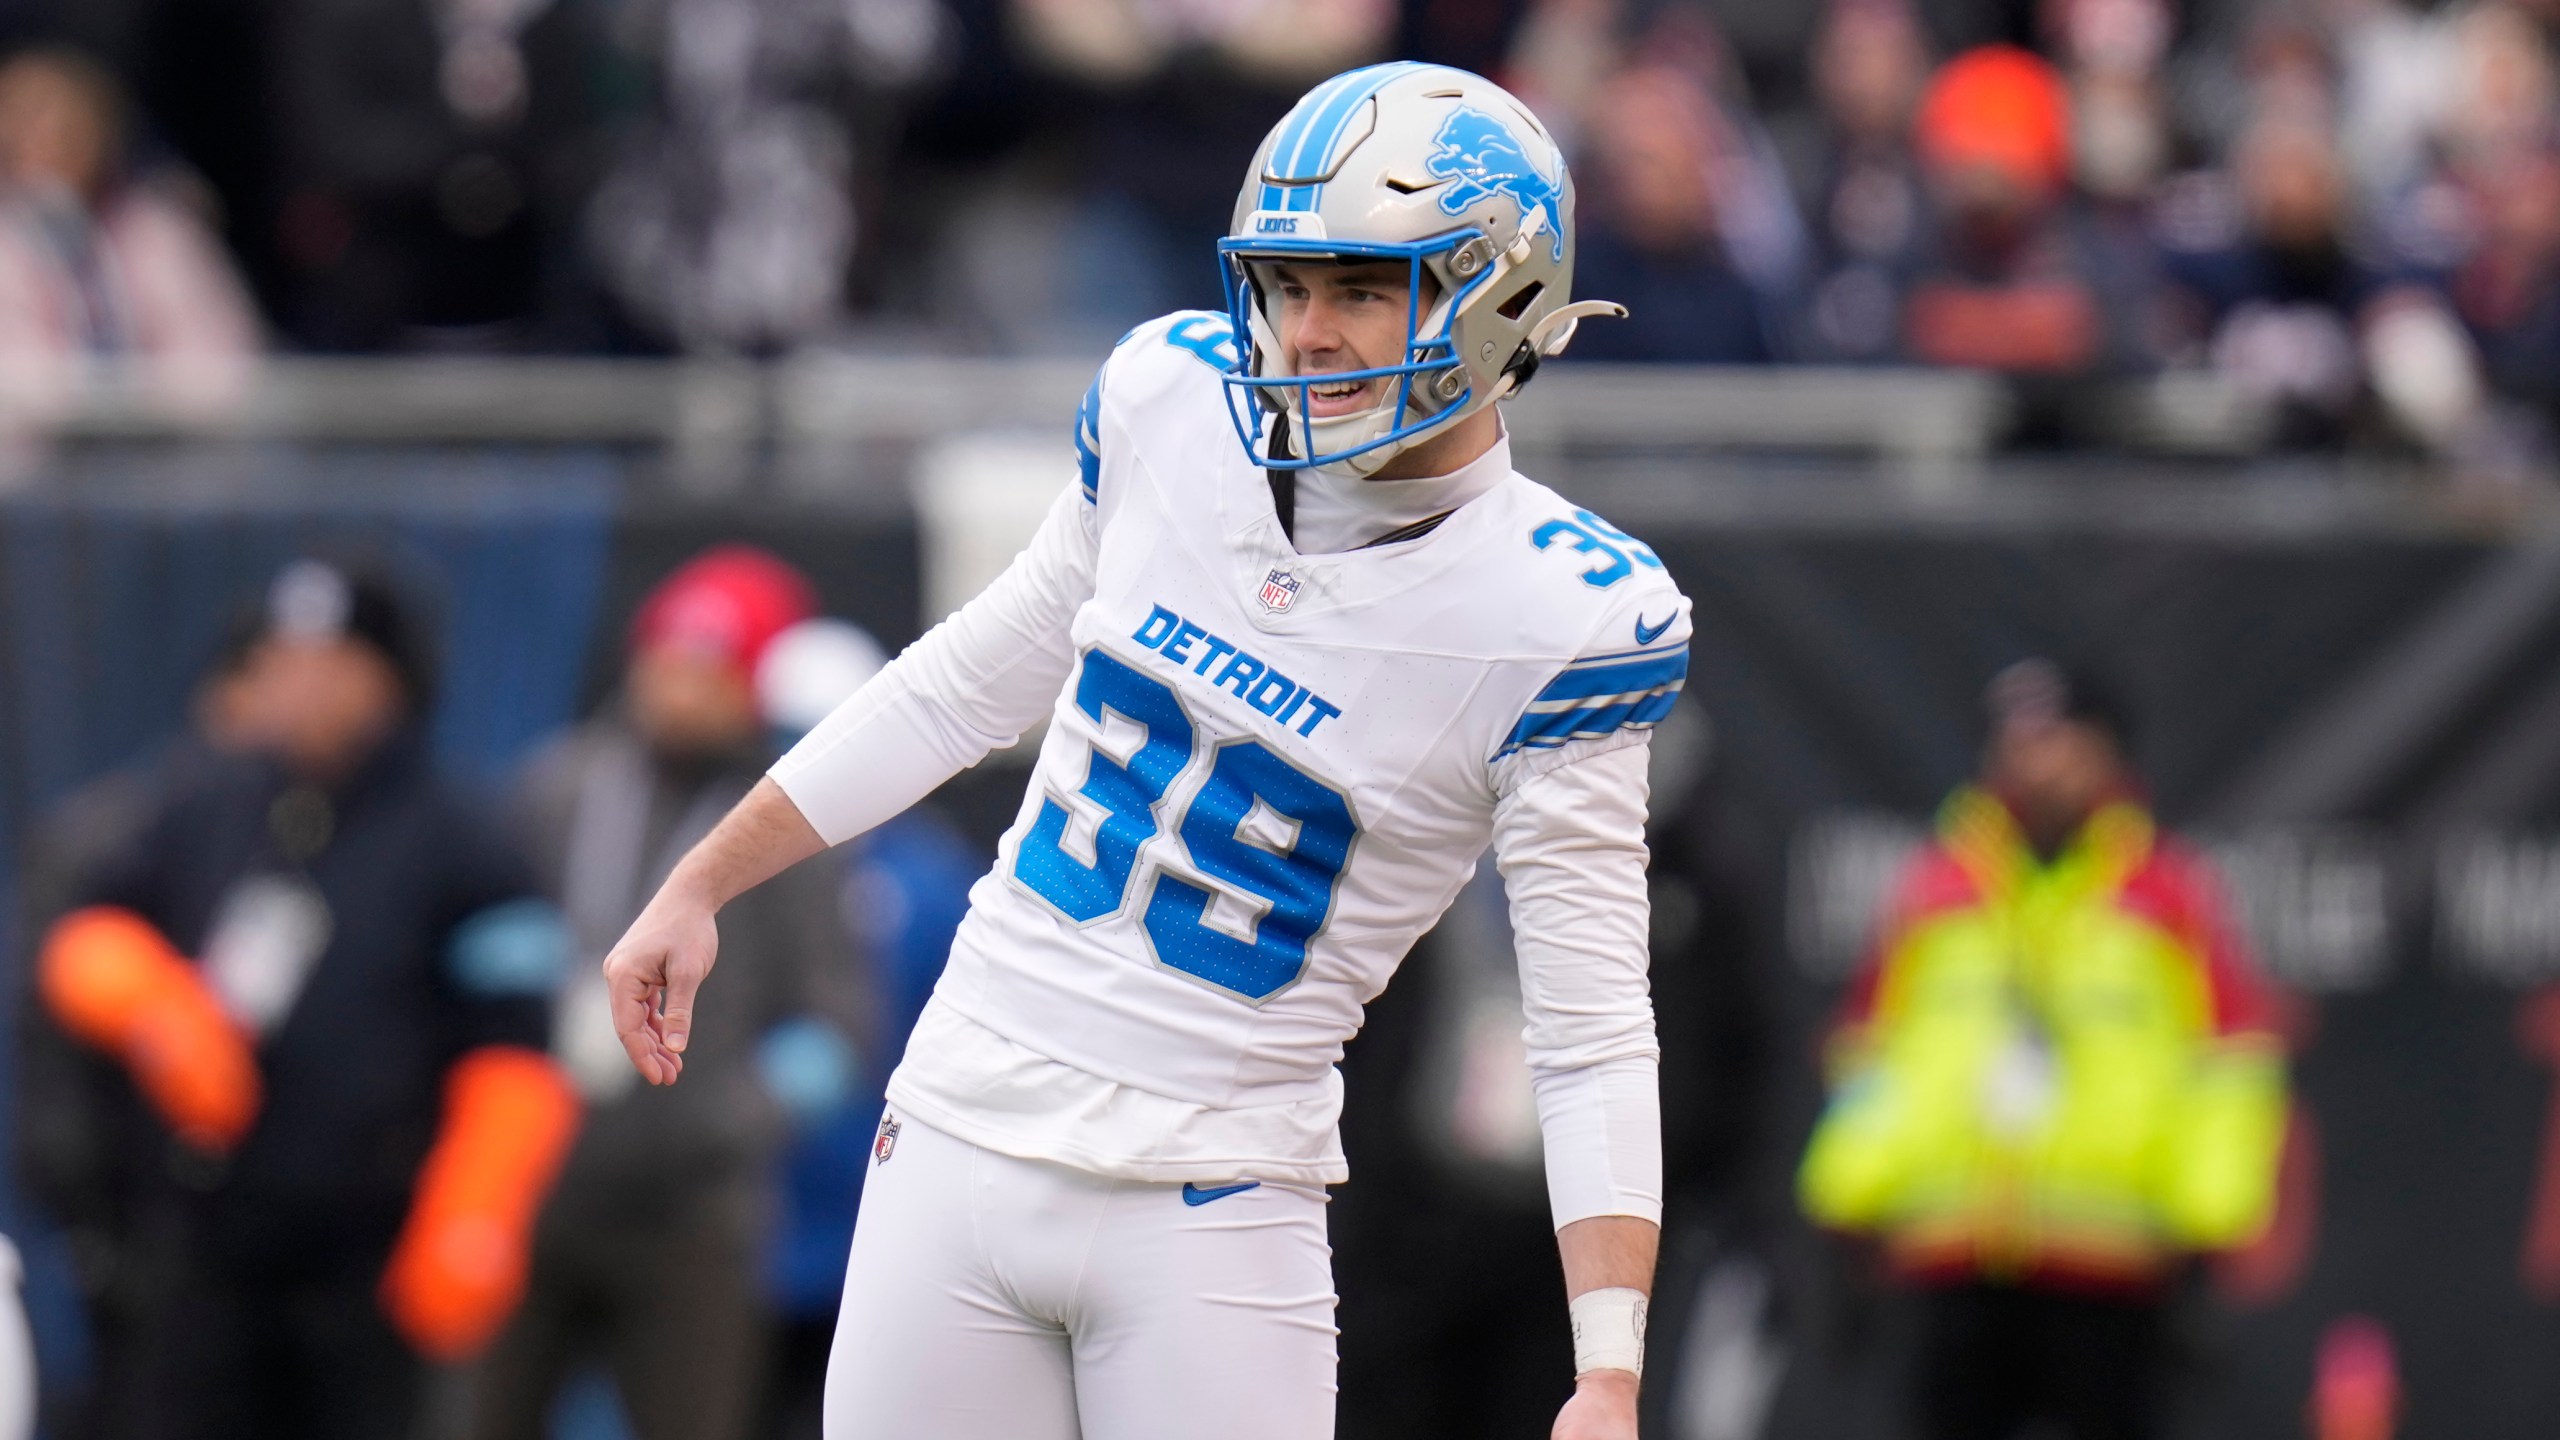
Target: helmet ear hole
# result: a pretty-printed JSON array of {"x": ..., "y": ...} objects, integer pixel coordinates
[{"x": 1521, "y": 299}]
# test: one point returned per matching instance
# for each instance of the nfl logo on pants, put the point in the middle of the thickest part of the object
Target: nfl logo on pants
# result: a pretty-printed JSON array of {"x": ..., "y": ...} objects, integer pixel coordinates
[{"x": 1279, "y": 588}]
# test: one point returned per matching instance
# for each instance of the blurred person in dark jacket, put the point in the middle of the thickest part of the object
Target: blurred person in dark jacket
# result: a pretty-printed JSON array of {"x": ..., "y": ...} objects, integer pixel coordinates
[
  {"x": 85, "y": 1145},
  {"x": 2008, "y": 275},
  {"x": 100, "y": 262},
  {"x": 2278, "y": 300},
  {"x": 683, "y": 1176},
  {"x": 428, "y": 159},
  {"x": 324, "y": 975},
  {"x": 1665, "y": 166},
  {"x": 2507, "y": 289},
  {"x": 2293, "y": 304},
  {"x": 2056, "y": 1081},
  {"x": 1870, "y": 60}
]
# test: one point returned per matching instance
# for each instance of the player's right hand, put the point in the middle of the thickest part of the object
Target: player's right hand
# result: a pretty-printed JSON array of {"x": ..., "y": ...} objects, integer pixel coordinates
[
  {"x": 651, "y": 979},
  {"x": 1603, "y": 1407}
]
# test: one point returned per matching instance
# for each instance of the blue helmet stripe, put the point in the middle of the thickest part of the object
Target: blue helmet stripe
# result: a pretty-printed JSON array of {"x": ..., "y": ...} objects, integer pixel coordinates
[
  {"x": 1293, "y": 134},
  {"x": 1307, "y": 143},
  {"x": 1293, "y": 129},
  {"x": 1379, "y": 77}
]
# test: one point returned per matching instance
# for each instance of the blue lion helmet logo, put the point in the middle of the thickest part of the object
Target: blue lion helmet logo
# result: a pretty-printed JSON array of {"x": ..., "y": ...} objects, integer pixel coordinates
[{"x": 1485, "y": 159}]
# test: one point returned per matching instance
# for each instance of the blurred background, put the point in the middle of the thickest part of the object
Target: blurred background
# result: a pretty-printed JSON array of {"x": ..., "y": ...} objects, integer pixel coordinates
[{"x": 639, "y": 371}]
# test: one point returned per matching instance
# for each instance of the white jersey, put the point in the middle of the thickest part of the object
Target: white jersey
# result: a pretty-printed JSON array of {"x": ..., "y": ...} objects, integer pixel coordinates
[{"x": 1266, "y": 774}]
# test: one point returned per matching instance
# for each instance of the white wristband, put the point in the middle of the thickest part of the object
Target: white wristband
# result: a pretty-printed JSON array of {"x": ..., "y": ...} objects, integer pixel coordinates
[{"x": 1608, "y": 1331}]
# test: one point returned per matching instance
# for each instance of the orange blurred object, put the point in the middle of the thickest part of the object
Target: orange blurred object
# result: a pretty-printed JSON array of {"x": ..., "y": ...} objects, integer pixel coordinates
[
  {"x": 459, "y": 1266},
  {"x": 117, "y": 983},
  {"x": 2002, "y": 107}
]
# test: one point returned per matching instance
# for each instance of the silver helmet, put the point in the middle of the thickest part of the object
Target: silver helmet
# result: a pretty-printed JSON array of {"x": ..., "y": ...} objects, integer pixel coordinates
[{"x": 1446, "y": 172}]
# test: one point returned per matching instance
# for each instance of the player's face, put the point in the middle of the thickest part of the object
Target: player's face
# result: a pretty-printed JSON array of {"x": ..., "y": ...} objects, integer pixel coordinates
[{"x": 1333, "y": 318}]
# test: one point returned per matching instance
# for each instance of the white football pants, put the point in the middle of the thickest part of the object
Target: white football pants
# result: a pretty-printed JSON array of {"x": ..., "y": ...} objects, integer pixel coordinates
[{"x": 992, "y": 1298}]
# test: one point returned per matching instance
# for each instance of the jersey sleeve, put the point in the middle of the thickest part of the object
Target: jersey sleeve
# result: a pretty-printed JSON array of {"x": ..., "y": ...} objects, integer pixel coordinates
[
  {"x": 973, "y": 684},
  {"x": 1088, "y": 437},
  {"x": 1629, "y": 672},
  {"x": 1571, "y": 847}
]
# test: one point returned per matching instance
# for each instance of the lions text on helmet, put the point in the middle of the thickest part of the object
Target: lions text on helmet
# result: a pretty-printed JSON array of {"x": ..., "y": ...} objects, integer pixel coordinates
[{"x": 1401, "y": 258}]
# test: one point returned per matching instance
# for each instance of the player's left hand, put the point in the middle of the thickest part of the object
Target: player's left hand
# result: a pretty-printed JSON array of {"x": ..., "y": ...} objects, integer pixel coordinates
[{"x": 1603, "y": 1407}]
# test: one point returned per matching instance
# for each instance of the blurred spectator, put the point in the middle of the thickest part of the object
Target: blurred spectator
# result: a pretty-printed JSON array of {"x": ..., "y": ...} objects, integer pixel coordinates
[
  {"x": 2278, "y": 296},
  {"x": 87, "y": 1146},
  {"x": 2055, "y": 1080},
  {"x": 1284, "y": 41},
  {"x": 322, "y": 976},
  {"x": 2508, "y": 288},
  {"x": 1562, "y": 59},
  {"x": 1664, "y": 165},
  {"x": 1870, "y": 61},
  {"x": 1147, "y": 111},
  {"x": 727, "y": 219},
  {"x": 99, "y": 263},
  {"x": 2303, "y": 310},
  {"x": 429, "y": 156},
  {"x": 2008, "y": 276},
  {"x": 2112, "y": 52},
  {"x": 683, "y": 1175},
  {"x": 2501, "y": 87}
]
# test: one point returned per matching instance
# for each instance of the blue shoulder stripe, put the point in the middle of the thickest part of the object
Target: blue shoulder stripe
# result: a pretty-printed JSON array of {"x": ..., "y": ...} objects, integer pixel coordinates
[
  {"x": 1667, "y": 648},
  {"x": 1588, "y": 701},
  {"x": 1583, "y": 685},
  {"x": 1089, "y": 441}
]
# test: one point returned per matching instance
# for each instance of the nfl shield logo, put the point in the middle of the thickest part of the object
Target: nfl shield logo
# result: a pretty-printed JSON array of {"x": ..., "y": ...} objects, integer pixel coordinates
[
  {"x": 887, "y": 1144},
  {"x": 1279, "y": 588}
]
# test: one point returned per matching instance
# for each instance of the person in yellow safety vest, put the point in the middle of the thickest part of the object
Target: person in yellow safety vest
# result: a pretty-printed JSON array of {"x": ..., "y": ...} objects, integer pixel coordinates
[{"x": 2056, "y": 1080}]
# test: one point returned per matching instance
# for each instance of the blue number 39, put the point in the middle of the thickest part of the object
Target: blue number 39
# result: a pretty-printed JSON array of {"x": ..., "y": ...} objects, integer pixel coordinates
[
  {"x": 1595, "y": 536},
  {"x": 1301, "y": 834}
]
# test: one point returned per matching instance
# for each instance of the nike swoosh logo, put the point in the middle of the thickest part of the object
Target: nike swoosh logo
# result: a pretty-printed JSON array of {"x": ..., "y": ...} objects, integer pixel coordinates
[
  {"x": 1647, "y": 634},
  {"x": 1194, "y": 1195}
]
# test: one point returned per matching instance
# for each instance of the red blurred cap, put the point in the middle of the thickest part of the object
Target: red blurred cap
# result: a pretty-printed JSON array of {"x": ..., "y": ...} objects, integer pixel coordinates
[
  {"x": 731, "y": 600},
  {"x": 1998, "y": 105}
]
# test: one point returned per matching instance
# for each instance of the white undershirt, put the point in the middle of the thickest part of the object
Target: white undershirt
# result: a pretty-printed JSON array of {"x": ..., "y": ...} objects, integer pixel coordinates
[{"x": 1338, "y": 511}]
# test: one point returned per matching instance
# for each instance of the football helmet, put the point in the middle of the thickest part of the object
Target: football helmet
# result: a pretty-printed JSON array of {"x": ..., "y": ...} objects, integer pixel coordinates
[{"x": 1439, "y": 169}]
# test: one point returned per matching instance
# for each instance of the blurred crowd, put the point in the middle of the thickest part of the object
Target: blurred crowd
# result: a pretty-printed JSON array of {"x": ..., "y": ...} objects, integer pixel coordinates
[
  {"x": 314, "y": 1072},
  {"x": 2348, "y": 208}
]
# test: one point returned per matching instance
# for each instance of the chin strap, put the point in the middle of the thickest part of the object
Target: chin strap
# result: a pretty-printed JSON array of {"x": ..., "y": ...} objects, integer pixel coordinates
[{"x": 1284, "y": 483}]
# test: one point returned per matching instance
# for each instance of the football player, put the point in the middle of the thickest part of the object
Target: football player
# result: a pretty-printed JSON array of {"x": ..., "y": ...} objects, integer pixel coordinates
[{"x": 1307, "y": 645}]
